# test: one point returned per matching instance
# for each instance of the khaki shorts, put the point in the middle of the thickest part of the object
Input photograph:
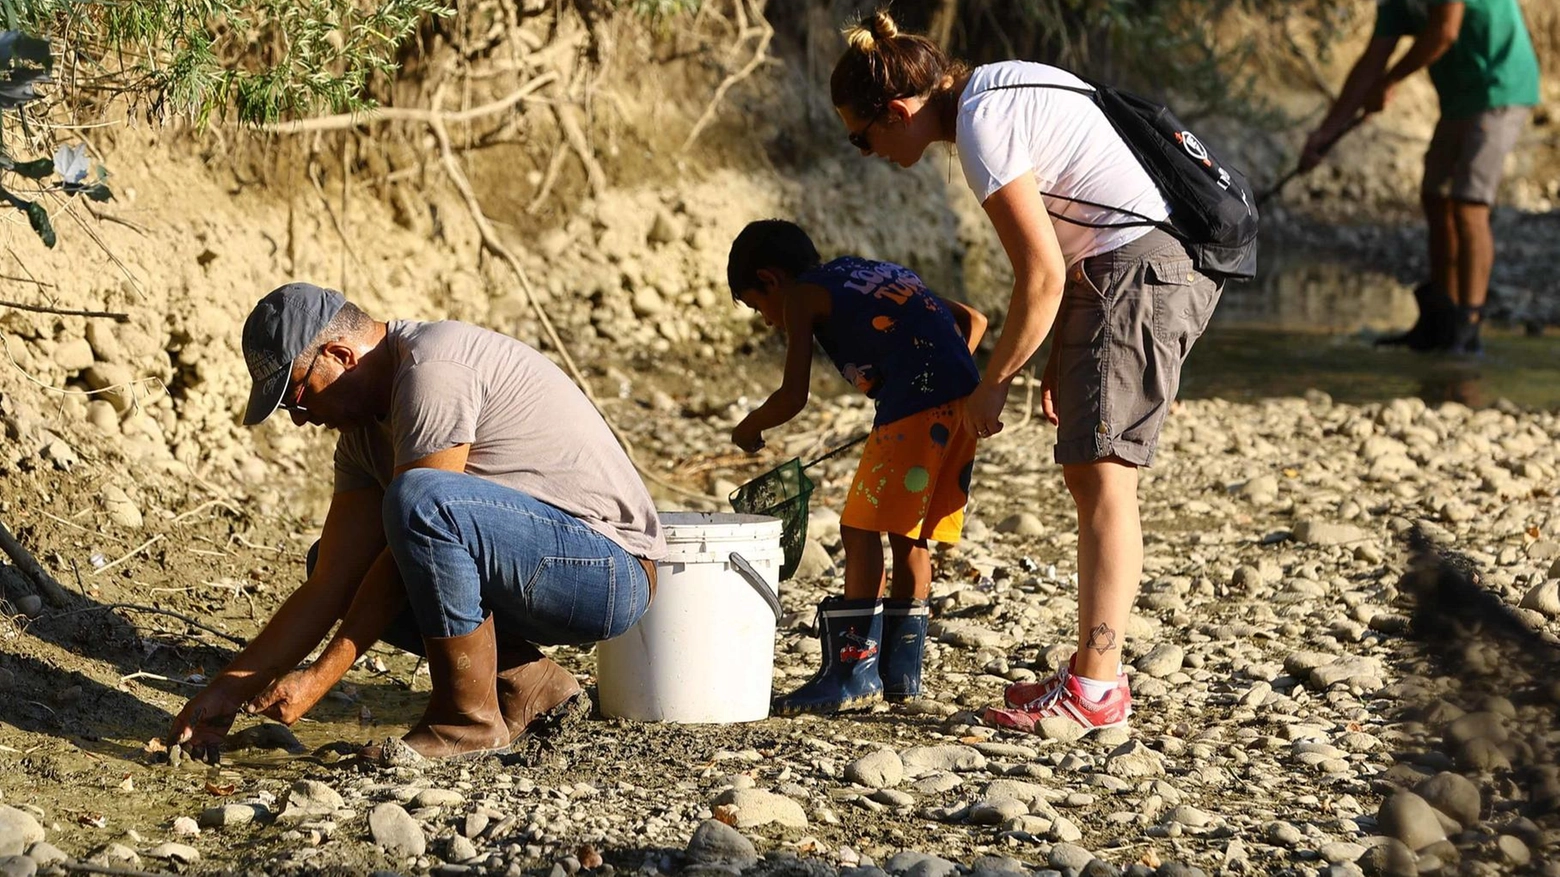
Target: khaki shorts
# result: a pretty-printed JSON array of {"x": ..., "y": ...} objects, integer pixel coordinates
[
  {"x": 1467, "y": 157},
  {"x": 1128, "y": 319}
]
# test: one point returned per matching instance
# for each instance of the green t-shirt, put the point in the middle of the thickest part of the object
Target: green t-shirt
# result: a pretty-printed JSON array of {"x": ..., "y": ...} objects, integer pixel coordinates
[{"x": 1491, "y": 65}]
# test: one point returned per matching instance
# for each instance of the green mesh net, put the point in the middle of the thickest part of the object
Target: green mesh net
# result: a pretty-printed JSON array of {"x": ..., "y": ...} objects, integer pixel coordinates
[{"x": 782, "y": 493}]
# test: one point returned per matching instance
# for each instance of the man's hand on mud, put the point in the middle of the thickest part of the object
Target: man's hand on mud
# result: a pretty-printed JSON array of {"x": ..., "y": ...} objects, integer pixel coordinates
[
  {"x": 204, "y": 722},
  {"x": 288, "y": 698}
]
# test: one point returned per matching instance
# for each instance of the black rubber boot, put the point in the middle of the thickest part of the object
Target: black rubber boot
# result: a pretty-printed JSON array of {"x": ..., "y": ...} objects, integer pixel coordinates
[
  {"x": 1432, "y": 330},
  {"x": 904, "y": 645},
  {"x": 851, "y": 632},
  {"x": 1465, "y": 333}
]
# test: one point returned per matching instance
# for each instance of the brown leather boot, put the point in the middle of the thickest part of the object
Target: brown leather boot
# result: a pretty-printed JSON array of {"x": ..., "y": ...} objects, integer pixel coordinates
[
  {"x": 529, "y": 686},
  {"x": 463, "y": 716}
]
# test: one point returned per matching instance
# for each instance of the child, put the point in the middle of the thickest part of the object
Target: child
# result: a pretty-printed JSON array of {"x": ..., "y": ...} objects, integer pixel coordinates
[{"x": 911, "y": 352}]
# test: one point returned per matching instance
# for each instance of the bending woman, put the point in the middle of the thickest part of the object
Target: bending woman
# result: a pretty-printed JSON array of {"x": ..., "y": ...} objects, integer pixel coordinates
[{"x": 1069, "y": 202}]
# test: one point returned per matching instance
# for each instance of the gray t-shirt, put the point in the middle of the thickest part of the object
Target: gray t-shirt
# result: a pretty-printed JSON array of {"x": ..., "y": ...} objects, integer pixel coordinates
[{"x": 528, "y": 425}]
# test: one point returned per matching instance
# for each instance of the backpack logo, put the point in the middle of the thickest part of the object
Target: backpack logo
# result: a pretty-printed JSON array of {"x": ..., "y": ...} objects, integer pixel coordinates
[
  {"x": 1220, "y": 236},
  {"x": 1193, "y": 147}
]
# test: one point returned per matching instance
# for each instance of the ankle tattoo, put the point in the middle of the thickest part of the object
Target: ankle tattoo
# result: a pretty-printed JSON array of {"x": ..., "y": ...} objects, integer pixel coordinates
[{"x": 1101, "y": 639}]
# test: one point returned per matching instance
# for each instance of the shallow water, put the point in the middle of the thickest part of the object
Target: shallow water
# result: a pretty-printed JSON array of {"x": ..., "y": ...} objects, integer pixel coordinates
[
  {"x": 1238, "y": 362},
  {"x": 1309, "y": 323}
]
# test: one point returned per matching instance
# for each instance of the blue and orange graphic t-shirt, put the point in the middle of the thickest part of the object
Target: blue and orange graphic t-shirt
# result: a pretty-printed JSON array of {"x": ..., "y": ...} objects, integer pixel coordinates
[{"x": 891, "y": 338}]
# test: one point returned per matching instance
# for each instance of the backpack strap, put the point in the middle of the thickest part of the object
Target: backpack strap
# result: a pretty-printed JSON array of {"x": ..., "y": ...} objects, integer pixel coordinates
[{"x": 1092, "y": 94}]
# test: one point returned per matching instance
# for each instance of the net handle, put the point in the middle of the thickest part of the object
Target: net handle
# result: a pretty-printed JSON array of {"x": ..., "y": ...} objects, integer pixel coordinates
[{"x": 839, "y": 450}]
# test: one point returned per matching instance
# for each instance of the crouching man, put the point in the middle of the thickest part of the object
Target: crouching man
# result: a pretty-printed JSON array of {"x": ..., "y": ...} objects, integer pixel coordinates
[{"x": 481, "y": 507}]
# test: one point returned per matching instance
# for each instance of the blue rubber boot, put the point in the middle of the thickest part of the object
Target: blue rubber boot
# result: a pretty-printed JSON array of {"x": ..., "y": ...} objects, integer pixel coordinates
[
  {"x": 1465, "y": 333},
  {"x": 851, "y": 631},
  {"x": 904, "y": 644}
]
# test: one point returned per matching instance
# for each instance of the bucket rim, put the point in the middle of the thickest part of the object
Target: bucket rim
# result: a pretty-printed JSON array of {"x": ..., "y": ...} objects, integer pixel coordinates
[{"x": 719, "y": 525}]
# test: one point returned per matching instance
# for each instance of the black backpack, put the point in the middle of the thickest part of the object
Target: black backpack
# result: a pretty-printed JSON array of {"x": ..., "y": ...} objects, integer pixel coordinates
[{"x": 1212, "y": 207}]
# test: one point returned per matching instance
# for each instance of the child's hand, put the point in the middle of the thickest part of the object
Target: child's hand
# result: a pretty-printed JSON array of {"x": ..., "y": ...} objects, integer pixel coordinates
[{"x": 748, "y": 438}]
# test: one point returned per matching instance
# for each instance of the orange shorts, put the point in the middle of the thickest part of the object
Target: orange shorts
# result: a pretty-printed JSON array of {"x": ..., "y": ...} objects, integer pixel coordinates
[{"x": 914, "y": 477}]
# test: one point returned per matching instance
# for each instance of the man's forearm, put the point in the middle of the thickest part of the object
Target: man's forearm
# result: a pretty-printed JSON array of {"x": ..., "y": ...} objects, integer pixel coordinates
[
  {"x": 295, "y": 629},
  {"x": 1426, "y": 50},
  {"x": 379, "y": 599},
  {"x": 1362, "y": 77}
]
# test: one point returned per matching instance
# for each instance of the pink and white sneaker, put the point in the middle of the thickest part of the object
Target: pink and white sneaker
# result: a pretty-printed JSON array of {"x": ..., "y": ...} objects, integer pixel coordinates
[
  {"x": 1066, "y": 701},
  {"x": 1022, "y": 694}
]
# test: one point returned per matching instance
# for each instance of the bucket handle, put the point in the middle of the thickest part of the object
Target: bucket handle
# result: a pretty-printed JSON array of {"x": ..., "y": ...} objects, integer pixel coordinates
[{"x": 746, "y": 571}]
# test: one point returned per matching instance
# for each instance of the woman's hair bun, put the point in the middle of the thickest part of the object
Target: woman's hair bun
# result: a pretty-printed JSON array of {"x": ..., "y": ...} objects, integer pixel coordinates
[
  {"x": 882, "y": 25},
  {"x": 864, "y": 36}
]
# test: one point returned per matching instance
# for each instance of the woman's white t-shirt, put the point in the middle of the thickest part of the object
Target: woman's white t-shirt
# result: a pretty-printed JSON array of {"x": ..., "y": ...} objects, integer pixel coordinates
[{"x": 1069, "y": 144}]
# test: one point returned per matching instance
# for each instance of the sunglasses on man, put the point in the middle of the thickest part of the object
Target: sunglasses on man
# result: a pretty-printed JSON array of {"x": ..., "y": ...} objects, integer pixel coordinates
[{"x": 295, "y": 402}]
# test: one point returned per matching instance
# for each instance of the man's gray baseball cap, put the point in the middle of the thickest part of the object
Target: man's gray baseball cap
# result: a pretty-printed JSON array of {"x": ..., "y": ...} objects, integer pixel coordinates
[{"x": 279, "y": 328}]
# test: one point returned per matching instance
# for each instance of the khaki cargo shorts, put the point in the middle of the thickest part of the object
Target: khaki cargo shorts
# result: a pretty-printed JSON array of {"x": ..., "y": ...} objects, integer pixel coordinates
[
  {"x": 1467, "y": 157},
  {"x": 1127, "y": 321}
]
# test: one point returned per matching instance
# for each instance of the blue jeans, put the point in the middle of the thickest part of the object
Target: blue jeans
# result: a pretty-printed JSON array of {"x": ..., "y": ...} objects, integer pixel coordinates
[{"x": 467, "y": 547}]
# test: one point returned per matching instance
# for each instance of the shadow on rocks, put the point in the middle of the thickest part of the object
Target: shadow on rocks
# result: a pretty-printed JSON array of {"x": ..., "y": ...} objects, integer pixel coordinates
[{"x": 1479, "y": 710}]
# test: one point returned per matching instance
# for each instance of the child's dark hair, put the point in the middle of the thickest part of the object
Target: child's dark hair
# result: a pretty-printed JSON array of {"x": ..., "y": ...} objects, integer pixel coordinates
[
  {"x": 768, "y": 243},
  {"x": 882, "y": 64}
]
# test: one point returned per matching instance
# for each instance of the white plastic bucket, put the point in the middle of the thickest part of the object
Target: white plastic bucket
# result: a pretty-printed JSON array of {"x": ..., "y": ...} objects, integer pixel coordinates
[{"x": 704, "y": 651}]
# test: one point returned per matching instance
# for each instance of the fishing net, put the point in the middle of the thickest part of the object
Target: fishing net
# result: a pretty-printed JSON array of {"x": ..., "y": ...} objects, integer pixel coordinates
[{"x": 782, "y": 493}]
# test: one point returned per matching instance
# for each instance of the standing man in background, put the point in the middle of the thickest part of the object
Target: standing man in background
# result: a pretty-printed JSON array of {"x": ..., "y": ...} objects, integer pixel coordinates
[{"x": 1486, "y": 76}]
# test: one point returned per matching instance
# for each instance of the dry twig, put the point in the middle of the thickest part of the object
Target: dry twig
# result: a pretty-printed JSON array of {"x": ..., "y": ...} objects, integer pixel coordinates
[
  {"x": 765, "y": 33},
  {"x": 155, "y": 611},
  {"x": 112, "y": 256},
  {"x": 29, "y": 566},
  {"x": 132, "y": 553},
  {"x": 33, "y": 281},
  {"x": 134, "y": 226},
  {"x": 408, "y": 114},
  {"x": 206, "y": 505},
  {"x": 142, "y": 674},
  {"x": 246, "y": 543},
  {"x": 337, "y": 221},
  {"x": 68, "y": 392},
  {"x": 66, "y": 312},
  {"x": 554, "y": 166},
  {"x": 1029, "y": 397},
  {"x": 569, "y": 122},
  {"x": 72, "y": 524}
]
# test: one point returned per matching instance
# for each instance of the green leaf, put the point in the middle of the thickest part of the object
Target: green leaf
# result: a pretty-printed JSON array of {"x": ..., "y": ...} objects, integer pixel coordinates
[
  {"x": 97, "y": 192},
  {"x": 35, "y": 215},
  {"x": 36, "y": 169}
]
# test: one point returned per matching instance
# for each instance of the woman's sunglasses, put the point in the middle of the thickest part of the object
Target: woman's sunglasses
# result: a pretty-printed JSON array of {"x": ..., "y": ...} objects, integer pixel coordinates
[{"x": 859, "y": 139}]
